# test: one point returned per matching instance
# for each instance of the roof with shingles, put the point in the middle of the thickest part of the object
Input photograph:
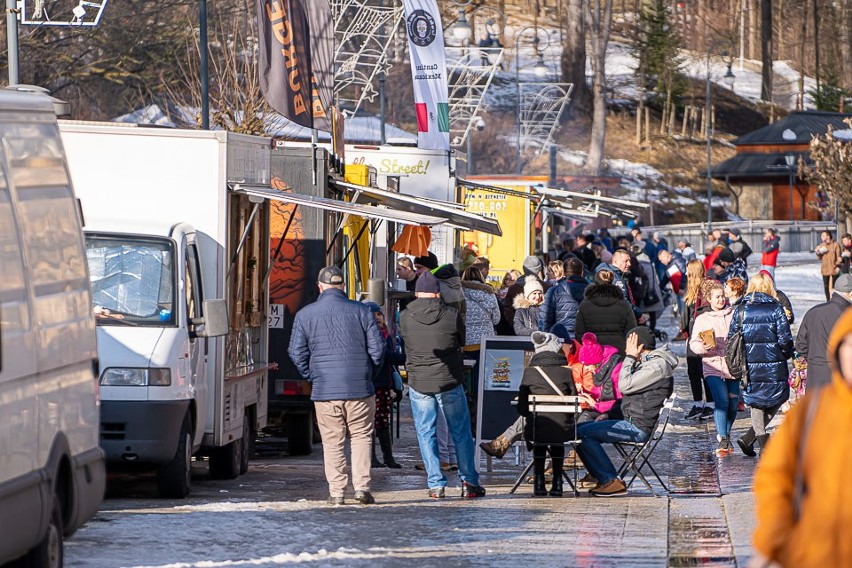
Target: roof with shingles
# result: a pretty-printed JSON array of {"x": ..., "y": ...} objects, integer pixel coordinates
[
  {"x": 805, "y": 124},
  {"x": 754, "y": 165}
]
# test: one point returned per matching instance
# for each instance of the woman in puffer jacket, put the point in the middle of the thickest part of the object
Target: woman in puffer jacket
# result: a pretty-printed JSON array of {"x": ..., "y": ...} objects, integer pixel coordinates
[
  {"x": 605, "y": 312},
  {"x": 709, "y": 337},
  {"x": 528, "y": 308},
  {"x": 768, "y": 344},
  {"x": 483, "y": 311}
]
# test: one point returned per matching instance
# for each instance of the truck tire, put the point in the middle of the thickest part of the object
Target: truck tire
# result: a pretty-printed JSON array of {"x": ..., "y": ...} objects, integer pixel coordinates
[
  {"x": 300, "y": 437},
  {"x": 174, "y": 478},
  {"x": 248, "y": 444},
  {"x": 226, "y": 462},
  {"x": 49, "y": 552}
]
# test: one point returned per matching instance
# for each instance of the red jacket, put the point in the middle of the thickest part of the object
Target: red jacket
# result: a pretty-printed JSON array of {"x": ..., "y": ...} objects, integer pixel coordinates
[{"x": 771, "y": 246}]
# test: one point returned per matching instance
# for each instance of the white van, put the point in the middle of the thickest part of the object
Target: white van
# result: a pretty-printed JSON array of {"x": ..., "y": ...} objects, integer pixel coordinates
[{"x": 52, "y": 472}]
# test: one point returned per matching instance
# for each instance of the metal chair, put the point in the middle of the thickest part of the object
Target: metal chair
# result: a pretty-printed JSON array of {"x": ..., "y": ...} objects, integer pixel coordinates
[
  {"x": 551, "y": 403},
  {"x": 637, "y": 455}
]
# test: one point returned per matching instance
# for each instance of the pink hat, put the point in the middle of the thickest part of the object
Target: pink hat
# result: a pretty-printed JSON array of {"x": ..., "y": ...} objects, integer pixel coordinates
[{"x": 592, "y": 352}]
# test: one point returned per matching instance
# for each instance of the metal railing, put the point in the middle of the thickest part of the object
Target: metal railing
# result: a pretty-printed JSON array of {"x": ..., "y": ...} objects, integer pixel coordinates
[{"x": 798, "y": 236}]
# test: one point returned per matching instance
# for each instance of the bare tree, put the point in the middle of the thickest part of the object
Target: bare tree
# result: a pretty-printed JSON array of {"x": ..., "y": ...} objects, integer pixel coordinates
[
  {"x": 766, "y": 49},
  {"x": 598, "y": 24},
  {"x": 574, "y": 56},
  {"x": 832, "y": 170}
]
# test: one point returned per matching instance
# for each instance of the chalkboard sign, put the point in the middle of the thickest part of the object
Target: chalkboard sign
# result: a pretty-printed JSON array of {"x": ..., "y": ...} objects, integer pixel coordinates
[{"x": 502, "y": 361}]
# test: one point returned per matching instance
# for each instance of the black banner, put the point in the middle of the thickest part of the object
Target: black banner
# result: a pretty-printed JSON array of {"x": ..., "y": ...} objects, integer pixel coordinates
[
  {"x": 285, "y": 59},
  {"x": 321, "y": 26}
]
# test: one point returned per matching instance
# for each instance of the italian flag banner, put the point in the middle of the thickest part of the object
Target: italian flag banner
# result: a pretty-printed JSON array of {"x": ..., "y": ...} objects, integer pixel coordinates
[{"x": 429, "y": 73}]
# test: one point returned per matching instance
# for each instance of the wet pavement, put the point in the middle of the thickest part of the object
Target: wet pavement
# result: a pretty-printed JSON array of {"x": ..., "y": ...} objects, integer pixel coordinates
[{"x": 276, "y": 515}]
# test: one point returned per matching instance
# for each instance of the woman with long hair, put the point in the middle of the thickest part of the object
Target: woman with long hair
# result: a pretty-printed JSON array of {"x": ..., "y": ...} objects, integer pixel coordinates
[
  {"x": 708, "y": 339},
  {"x": 768, "y": 345},
  {"x": 702, "y": 405},
  {"x": 555, "y": 272},
  {"x": 482, "y": 315}
]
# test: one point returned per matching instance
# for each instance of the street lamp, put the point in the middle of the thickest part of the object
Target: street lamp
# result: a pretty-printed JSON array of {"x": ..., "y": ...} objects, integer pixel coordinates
[
  {"x": 791, "y": 162},
  {"x": 539, "y": 69},
  {"x": 729, "y": 77},
  {"x": 461, "y": 29}
]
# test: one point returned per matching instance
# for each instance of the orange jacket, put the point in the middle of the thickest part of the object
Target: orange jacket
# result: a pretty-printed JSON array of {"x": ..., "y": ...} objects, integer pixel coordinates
[{"x": 823, "y": 534}]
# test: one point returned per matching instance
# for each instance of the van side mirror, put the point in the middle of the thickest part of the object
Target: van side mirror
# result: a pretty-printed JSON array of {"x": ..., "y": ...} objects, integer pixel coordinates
[{"x": 215, "y": 320}]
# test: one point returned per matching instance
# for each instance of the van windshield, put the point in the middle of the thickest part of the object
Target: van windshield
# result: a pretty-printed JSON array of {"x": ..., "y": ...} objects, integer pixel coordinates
[{"x": 133, "y": 280}]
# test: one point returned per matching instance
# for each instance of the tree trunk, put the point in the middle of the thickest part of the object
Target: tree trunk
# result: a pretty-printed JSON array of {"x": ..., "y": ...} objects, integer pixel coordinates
[
  {"x": 574, "y": 57},
  {"x": 816, "y": 43},
  {"x": 779, "y": 36},
  {"x": 753, "y": 29},
  {"x": 801, "y": 104},
  {"x": 766, "y": 49},
  {"x": 845, "y": 45},
  {"x": 598, "y": 23}
]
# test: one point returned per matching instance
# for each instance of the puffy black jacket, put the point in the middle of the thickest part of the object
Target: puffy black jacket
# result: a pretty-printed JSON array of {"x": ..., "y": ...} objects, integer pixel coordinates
[
  {"x": 433, "y": 333},
  {"x": 812, "y": 339},
  {"x": 607, "y": 314},
  {"x": 769, "y": 344},
  {"x": 328, "y": 332},
  {"x": 551, "y": 427},
  {"x": 559, "y": 306}
]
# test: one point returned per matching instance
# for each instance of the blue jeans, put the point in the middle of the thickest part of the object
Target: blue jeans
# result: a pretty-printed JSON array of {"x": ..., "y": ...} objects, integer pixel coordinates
[
  {"x": 594, "y": 434},
  {"x": 769, "y": 269},
  {"x": 424, "y": 408},
  {"x": 726, "y": 395}
]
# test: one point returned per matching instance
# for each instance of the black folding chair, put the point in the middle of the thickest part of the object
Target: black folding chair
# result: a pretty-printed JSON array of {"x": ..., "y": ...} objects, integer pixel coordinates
[
  {"x": 547, "y": 403},
  {"x": 637, "y": 455}
]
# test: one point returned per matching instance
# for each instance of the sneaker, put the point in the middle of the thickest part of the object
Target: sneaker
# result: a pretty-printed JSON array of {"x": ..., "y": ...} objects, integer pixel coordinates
[
  {"x": 725, "y": 447},
  {"x": 587, "y": 482},
  {"x": 472, "y": 491},
  {"x": 694, "y": 413},
  {"x": 747, "y": 449},
  {"x": 436, "y": 493},
  {"x": 610, "y": 489},
  {"x": 420, "y": 466},
  {"x": 332, "y": 500},
  {"x": 706, "y": 413},
  {"x": 364, "y": 497}
]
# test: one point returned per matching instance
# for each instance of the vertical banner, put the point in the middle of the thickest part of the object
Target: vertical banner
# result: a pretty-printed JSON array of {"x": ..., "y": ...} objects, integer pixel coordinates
[
  {"x": 429, "y": 73},
  {"x": 321, "y": 25},
  {"x": 285, "y": 59}
]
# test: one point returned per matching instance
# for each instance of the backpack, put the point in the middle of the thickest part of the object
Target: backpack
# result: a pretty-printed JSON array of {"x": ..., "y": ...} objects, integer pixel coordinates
[{"x": 735, "y": 352}]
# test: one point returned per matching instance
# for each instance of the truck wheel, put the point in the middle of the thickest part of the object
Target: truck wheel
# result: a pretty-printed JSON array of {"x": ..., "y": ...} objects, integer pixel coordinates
[
  {"x": 300, "y": 438},
  {"x": 248, "y": 444},
  {"x": 49, "y": 552},
  {"x": 225, "y": 462},
  {"x": 175, "y": 477}
]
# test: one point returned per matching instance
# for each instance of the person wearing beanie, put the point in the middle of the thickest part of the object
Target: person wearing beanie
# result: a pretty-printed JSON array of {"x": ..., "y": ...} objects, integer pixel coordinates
[
  {"x": 434, "y": 335},
  {"x": 546, "y": 433},
  {"x": 727, "y": 266},
  {"x": 533, "y": 271},
  {"x": 528, "y": 308},
  {"x": 428, "y": 262},
  {"x": 646, "y": 380},
  {"x": 596, "y": 371}
]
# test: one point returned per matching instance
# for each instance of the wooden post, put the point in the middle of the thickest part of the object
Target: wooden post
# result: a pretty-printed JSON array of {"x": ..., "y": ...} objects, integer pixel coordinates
[
  {"x": 639, "y": 125},
  {"x": 686, "y": 110},
  {"x": 648, "y": 124}
]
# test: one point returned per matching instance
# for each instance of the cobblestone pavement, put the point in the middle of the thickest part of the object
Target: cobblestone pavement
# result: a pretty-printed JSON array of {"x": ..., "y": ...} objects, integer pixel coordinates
[{"x": 276, "y": 515}]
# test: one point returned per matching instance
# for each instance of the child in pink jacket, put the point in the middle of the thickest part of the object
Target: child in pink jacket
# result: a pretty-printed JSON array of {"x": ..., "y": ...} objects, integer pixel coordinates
[{"x": 601, "y": 365}]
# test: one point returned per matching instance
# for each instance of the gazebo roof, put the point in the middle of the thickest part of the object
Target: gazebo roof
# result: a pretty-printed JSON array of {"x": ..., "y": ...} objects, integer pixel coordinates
[
  {"x": 804, "y": 124},
  {"x": 754, "y": 165}
]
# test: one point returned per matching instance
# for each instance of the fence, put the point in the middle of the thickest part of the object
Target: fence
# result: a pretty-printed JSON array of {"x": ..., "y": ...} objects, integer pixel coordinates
[{"x": 800, "y": 236}]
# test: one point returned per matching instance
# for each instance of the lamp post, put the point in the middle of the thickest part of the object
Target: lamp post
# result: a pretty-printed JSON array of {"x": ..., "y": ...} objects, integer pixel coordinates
[
  {"x": 791, "y": 162},
  {"x": 707, "y": 134},
  {"x": 539, "y": 69}
]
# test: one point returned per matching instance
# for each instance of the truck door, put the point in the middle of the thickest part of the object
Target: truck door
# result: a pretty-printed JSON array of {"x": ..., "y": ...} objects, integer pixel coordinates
[{"x": 198, "y": 348}]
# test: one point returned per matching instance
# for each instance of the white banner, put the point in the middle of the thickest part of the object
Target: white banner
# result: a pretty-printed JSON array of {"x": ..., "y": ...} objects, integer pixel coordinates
[{"x": 429, "y": 73}]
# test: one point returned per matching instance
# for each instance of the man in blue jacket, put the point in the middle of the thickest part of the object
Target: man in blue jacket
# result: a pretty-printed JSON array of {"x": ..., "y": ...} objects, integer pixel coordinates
[{"x": 337, "y": 346}]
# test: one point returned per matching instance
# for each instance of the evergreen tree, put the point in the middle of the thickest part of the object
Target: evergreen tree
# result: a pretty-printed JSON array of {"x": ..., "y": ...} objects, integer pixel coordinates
[
  {"x": 659, "y": 51},
  {"x": 830, "y": 95}
]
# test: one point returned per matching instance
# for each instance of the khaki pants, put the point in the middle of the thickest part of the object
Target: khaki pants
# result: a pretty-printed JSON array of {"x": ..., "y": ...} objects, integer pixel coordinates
[{"x": 336, "y": 420}]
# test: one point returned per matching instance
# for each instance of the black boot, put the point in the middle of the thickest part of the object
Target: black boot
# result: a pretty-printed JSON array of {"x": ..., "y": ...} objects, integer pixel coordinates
[
  {"x": 384, "y": 436},
  {"x": 761, "y": 442},
  {"x": 374, "y": 462},
  {"x": 746, "y": 443},
  {"x": 539, "y": 487},
  {"x": 556, "y": 487}
]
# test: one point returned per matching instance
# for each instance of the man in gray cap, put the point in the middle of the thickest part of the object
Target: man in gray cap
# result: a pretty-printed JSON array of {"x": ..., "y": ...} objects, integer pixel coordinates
[
  {"x": 812, "y": 339},
  {"x": 337, "y": 346},
  {"x": 533, "y": 270}
]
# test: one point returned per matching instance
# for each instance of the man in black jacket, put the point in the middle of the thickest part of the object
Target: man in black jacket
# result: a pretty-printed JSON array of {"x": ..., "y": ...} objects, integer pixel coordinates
[
  {"x": 645, "y": 381},
  {"x": 434, "y": 335},
  {"x": 812, "y": 339},
  {"x": 332, "y": 330}
]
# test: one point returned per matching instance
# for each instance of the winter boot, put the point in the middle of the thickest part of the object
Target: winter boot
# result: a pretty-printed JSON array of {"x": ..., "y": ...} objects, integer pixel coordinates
[
  {"x": 539, "y": 487},
  {"x": 761, "y": 442},
  {"x": 384, "y": 436},
  {"x": 556, "y": 487},
  {"x": 497, "y": 447},
  {"x": 746, "y": 443},
  {"x": 374, "y": 461}
]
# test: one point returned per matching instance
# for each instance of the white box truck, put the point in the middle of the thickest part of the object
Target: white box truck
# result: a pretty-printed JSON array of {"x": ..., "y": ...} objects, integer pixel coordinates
[
  {"x": 52, "y": 474},
  {"x": 179, "y": 266}
]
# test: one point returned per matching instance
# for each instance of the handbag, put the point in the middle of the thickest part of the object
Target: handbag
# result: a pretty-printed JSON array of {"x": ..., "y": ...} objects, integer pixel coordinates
[
  {"x": 735, "y": 353},
  {"x": 397, "y": 381}
]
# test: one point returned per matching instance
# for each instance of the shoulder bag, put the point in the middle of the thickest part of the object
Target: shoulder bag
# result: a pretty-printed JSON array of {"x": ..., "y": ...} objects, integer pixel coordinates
[{"x": 735, "y": 352}]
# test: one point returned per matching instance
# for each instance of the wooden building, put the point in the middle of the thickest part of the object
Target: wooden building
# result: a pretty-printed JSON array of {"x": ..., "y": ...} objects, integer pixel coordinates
[{"x": 762, "y": 184}]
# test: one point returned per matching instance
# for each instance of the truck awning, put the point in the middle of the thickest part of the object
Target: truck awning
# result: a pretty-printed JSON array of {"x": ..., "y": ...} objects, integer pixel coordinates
[
  {"x": 496, "y": 189},
  {"x": 454, "y": 214},
  {"x": 359, "y": 209},
  {"x": 575, "y": 196}
]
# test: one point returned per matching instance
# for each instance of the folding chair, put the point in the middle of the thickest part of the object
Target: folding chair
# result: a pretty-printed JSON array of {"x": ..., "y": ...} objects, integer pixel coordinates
[
  {"x": 637, "y": 455},
  {"x": 546, "y": 403}
]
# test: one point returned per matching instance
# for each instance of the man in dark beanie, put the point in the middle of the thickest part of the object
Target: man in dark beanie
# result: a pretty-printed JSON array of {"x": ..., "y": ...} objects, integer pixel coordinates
[
  {"x": 434, "y": 335},
  {"x": 728, "y": 266},
  {"x": 645, "y": 381},
  {"x": 533, "y": 270}
]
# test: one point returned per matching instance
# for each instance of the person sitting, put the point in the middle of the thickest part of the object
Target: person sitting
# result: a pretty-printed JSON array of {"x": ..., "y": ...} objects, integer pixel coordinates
[
  {"x": 596, "y": 376},
  {"x": 546, "y": 374},
  {"x": 646, "y": 381}
]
